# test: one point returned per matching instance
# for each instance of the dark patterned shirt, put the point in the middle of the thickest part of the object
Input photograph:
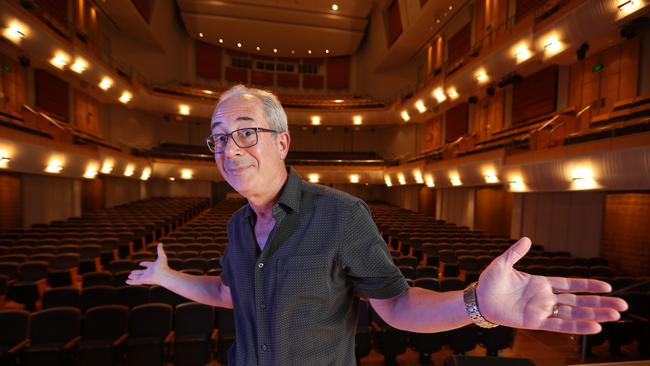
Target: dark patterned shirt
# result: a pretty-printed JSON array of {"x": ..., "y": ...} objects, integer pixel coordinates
[{"x": 296, "y": 301}]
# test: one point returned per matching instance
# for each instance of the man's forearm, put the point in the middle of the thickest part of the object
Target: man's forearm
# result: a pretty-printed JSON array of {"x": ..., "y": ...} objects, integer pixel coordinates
[
  {"x": 202, "y": 289},
  {"x": 424, "y": 311}
]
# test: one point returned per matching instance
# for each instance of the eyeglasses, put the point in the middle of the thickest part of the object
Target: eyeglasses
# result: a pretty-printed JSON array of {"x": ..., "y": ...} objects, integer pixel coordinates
[{"x": 243, "y": 137}]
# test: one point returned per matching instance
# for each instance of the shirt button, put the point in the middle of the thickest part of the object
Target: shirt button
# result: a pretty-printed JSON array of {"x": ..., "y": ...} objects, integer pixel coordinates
[
  {"x": 263, "y": 306},
  {"x": 265, "y": 347},
  {"x": 260, "y": 265}
]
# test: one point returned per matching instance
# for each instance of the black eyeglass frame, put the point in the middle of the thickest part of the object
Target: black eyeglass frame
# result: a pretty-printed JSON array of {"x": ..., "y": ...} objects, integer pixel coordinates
[{"x": 230, "y": 137}]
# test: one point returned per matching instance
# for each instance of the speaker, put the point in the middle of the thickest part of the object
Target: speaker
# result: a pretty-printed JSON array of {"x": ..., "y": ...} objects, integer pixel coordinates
[{"x": 459, "y": 360}]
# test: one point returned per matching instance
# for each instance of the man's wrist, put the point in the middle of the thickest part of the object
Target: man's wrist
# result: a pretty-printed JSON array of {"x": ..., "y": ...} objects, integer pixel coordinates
[{"x": 471, "y": 305}]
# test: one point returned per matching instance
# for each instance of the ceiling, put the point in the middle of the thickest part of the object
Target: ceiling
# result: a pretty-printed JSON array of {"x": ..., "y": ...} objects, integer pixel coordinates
[{"x": 291, "y": 28}]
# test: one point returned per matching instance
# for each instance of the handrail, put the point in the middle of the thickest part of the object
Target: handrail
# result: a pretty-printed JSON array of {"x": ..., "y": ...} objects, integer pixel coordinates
[{"x": 48, "y": 118}]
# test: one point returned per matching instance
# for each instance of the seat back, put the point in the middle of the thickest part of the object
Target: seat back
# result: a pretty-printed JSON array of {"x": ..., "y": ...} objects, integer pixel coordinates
[
  {"x": 150, "y": 320},
  {"x": 62, "y": 296},
  {"x": 18, "y": 322},
  {"x": 194, "y": 319},
  {"x": 97, "y": 296},
  {"x": 107, "y": 322},
  {"x": 56, "y": 325}
]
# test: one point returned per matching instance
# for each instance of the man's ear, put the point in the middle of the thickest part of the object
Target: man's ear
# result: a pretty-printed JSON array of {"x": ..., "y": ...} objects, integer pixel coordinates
[{"x": 284, "y": 140}]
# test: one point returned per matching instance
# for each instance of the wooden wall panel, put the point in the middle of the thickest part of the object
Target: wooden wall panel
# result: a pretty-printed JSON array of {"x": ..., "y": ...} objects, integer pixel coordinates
[
  {"x": 432, "y": 133},
  {"x": 57, "y": 9},
  {"x": 456, "y": 120},
  {"x": 263, "y": 78},
  {"x": 208, "y": 60},
  {"x": 338, "y": 73},
  {"x": 235, "y": 75},
  {"x": 87, "y": 114},
  {"x": 493, "y": 210},
  {"x": 12, "y": 86},
  {"x": 92, "y": 195},
  {"x": 394, "y": 20},
  {"x": 535, "y": 96},
  {"x": 11, "y": 212},
  {"x": 288, "y": 80},
  {"x": 52, "y": 94},
  {"x": 626, "y": 239},
  {"x": 489, "y": 115},
  {"x": 312, "y": 81},
  {"x": 427, "y": 202},
  {"x": 526, "y": 7},
  {"x": 459, "y": 44}
]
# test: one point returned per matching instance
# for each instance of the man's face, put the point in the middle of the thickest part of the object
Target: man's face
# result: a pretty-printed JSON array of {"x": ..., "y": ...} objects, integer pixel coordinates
[{"x": 251, "y": 170}]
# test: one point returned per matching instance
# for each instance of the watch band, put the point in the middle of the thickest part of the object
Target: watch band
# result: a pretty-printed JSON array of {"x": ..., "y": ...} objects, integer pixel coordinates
[{"x": 469, "y": 296}]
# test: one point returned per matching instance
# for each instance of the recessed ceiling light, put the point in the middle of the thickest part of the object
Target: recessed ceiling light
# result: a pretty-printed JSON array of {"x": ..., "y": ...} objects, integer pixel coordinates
[
  {"x": 327, "y": 51},
  {"x": 357, "y": 120},
  {"x": 309, "y": 52},
  {"x": 184, "y": 109},
  {"x": 293, "y": 51},
  {"x": 257, "y": 48},
  {"x": 315, "y": 120},
  {"x": 200, "y": 34},
  {"x": 275, "y": 50},
  {"x": 220, "y": 40},
  {"x": 437, "y": 21},
  {"x": 238, "y": 44},
  {"x": 335, "y": 7},
  {"x": 338, "y": 100},
  {"x": 450, "y": 7}
]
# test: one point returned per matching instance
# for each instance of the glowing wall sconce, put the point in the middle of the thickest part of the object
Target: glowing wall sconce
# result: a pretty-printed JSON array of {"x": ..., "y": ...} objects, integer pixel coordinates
[
  {"x": 106, "y": 83},
  {"x": 429, "y": 181},
  {"x": 517, "y": 184},
  {"x": 490, "y": 176},
  {"x": 60, "y": 60},
  {"x": 439, "y": 94},
  {"x": 187, "y": 173},
  {"x": 55, "y": 166},
  {"x": 184, "y": 109},
  {"x": 129, "y": 170},
  {"x": 629, "y": 6},
  {"x": 401, "y": 179},
  {"x": 521, "y": 52},
  {"x": 552, "y": 45},
  {"x": 146, "y": 173},
  {"x": 419, "y": 105},
  {"x": 418, "y": 177},
  {"x": 15, "y": 32},
  {"x": 313, "y": 178},
  {"x": 4, "y": 161},
  {"x": 79, "y": 66},
  {"x": 354, "y": 178},
  {"x": 388, "y": 182},
  {"x": 452, "y": 93},
  {"x": 126, "y": 97},
  {"x": 315, "y": 120},
  {"x": 107, "y": 167},
  {"x": 583, "y": 178},
  {"x": 91, "y": 171},
  {"x": 405, "y": 115},
  {"x": 481, "y": 76},
  {"x": 357, "y": 120}
]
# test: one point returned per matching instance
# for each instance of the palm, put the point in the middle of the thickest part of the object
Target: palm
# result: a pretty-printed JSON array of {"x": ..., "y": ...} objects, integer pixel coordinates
[
  {"x": 153, "y": 271},
  {"x": 516, "y": 299}
]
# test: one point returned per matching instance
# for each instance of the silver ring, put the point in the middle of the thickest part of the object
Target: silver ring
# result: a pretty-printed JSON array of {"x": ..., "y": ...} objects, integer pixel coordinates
[{"x": 555, "y": 312}]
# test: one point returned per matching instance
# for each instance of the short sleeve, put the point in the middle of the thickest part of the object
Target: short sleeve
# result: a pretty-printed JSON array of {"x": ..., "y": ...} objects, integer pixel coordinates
[{"x": 364, "y": 256}]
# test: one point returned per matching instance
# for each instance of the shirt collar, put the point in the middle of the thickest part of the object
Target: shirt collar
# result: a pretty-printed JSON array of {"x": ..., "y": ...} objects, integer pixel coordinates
[{"x": 290, "y": 196}]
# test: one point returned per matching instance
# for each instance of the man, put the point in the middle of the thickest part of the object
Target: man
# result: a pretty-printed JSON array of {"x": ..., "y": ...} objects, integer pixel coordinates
[{"x": 300, "y": 255}]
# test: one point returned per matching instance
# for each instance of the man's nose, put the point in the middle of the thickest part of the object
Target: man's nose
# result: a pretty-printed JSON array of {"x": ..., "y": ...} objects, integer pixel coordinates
[{"x": 231, "y": 148}]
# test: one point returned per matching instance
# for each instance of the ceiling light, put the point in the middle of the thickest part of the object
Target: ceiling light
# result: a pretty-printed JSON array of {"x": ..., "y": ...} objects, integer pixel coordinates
[
  {"x": 106, "y": 83},
  {"x": 80, "y": 65},
  {"x": 257, "y": 48},
  {"x": 401, "y": 179},
  {"x": 335, "y": 7},
  {"x": 293, "y": 51},
  {"x": 338, "y": 100},
  {"x": 275, "y": 50},
  {"x": 481, "y": 76},
  {"x": 238, "y": 44},
  {"x": 450, "y": 7},
  {"x": 15, "y": 32},
  {"x": 628, "y": 6},
  {"x": 187, "y": 173},
  {"x": 126, "y": 97},
  {"x": 439, "y": 94},
  {"x": 107, "y": 167},
  {"x": 354, "y": 178},
  {"x": 220, "y": 40},
  {"x": 405, "y": 115},
  {"x": 357, "y": 120},
  {"x": 315, "y": 120},
  {"x": 327, "y": 51},
  {"x": 388, "y": 181},
  {"x": 60, "y": 60},
  {"x": 418, "y": 177},
  {"x": 146, "y": 173},
  {"x": 309, "y": 52},
  {"x": 522, "y": 52},
  {"x": 129, "y": 170},
  {"x": 452, "y": 93},
  {"x": 200, "y": 34},
  {"x": 184, "y": 109},
  {"x": 437, "y": 21},
  {"x": 429, "y": 181},
  {"x": 313, "y": 178},
  {"x": 91, "y": 171},
  {"x": 419, "y": 105},
  {"x": 172, "y": 179}
]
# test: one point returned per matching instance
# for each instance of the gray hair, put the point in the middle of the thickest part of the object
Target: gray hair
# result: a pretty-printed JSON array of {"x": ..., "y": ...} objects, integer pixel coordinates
[{"x": 273, "y": 111}]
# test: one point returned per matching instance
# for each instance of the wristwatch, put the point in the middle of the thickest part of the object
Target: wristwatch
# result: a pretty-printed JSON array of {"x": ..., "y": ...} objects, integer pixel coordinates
[{"x": 469, "y": 296}]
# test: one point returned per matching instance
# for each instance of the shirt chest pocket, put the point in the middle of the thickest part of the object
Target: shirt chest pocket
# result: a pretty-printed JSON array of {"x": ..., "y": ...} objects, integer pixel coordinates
[{"x": 303, "y": 275}]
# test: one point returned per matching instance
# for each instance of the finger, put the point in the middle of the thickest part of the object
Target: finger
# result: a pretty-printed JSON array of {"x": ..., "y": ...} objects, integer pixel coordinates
[
  {"x": 584, "y": 313},
  {"x": 161, "y": 252},
  {"x": 145, "y": 264},
  {"x": 137, "y": 272},
  {"x": 516, "y": 251},
  {"x": 592, "y": 301},
  {"x": 563, "y": 284},
  {"x": 570, "y": 326}
]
